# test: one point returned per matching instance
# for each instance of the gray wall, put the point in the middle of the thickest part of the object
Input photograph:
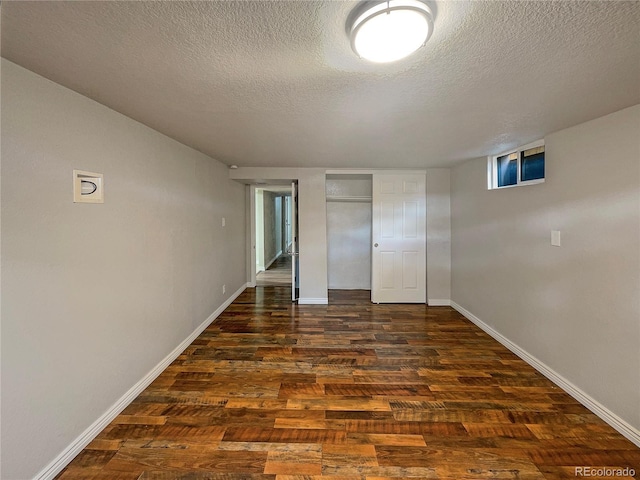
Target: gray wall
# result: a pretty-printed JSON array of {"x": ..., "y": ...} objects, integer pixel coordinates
[
  {"x": 575, "y": 307},
  {"x": 94, "y": 296}
]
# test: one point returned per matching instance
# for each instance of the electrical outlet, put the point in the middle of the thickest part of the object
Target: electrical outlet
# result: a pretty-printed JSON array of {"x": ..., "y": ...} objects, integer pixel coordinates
[{"x": 224, "y": 289}]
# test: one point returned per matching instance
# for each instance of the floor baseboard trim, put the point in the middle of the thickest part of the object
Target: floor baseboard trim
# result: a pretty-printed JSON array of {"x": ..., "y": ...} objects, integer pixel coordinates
[
  {"x": 623, "y": 427},
  {"x": 439, "y": 302},
  {"x": 313, "y": 301},
  {"x": 69, "y": 453}
]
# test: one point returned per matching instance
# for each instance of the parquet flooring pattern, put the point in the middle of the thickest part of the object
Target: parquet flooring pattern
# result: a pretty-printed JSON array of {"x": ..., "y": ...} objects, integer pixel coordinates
[{"x": 349, "y": 391}]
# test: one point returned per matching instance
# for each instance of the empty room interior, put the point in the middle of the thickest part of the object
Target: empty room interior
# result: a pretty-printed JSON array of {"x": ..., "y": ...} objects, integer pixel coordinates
[{"x": 293, "y": 240}]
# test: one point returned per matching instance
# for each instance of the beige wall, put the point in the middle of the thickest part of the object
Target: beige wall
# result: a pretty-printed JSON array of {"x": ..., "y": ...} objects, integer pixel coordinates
[
  {"x": 576, "y": 308},
  {"x": 270, "y": 226},
  {"x": 259, "y": 229},
  {"x": 94, "y": 296},
  {"x": 312, "y": 221},
  {"x": 438, "y": 237}
]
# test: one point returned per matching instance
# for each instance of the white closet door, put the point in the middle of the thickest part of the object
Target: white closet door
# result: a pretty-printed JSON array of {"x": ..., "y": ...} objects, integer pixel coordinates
[{"x": 398, "y": 252}]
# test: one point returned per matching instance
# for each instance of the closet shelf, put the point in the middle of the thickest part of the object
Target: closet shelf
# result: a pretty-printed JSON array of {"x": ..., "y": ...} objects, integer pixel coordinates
[{"x": 350, "y": 198}]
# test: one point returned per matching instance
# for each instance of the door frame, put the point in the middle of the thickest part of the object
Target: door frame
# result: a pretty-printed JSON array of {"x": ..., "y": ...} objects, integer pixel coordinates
[
  {"x": 295, "y": 243},
  {"x": 251, "y": 226},
  {"x": 252, "y": 236}
]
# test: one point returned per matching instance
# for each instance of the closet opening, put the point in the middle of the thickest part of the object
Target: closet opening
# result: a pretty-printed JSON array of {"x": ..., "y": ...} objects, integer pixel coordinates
[{"x": 349, "y": 228}]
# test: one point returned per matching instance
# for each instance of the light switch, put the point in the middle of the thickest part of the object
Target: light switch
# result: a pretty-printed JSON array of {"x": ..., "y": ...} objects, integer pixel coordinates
[
  {"x": 555, "y": 238},
  {"x": 224, "y": 221}
]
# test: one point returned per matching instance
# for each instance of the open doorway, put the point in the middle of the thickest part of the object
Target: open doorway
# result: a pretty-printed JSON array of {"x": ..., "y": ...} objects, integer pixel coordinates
[{"x": 274, "y": 237}]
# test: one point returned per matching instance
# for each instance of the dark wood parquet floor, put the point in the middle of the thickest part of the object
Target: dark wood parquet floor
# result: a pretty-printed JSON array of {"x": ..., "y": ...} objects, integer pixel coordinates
[{"x": 349, "y": 391}]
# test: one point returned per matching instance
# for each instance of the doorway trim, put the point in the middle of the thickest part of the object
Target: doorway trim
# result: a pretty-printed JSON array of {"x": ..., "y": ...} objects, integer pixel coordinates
[
  {"x": 252, "y": 236},
  {"x": 279, "y": 186}
]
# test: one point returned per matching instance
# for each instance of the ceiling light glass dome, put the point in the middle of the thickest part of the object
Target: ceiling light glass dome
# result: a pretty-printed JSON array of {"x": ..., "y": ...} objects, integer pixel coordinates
[{"x": 391, "y": 30}]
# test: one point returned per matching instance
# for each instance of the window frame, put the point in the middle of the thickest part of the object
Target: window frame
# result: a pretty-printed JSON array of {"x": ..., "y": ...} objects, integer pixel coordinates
[{"x": 492, "y": 167}]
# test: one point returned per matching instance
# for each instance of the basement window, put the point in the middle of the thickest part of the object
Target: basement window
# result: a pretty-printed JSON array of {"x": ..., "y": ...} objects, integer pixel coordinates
[{"x": 522, "y": 166}]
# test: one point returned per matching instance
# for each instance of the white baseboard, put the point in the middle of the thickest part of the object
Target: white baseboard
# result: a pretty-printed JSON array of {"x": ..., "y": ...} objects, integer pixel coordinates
[
  {"x": 313, "y": 301},
  {"x": 629, "y": 431},
  {"x": 439, "y": 302},
  {"x": 69, "y": 453}
]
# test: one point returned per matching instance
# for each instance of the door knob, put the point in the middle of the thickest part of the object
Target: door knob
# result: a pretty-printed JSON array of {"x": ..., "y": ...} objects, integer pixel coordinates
[{"x": 375, "y": 245}]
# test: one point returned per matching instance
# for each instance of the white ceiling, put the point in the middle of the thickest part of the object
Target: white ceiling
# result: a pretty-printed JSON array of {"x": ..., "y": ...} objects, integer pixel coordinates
[{"x": 275, "y": 83}]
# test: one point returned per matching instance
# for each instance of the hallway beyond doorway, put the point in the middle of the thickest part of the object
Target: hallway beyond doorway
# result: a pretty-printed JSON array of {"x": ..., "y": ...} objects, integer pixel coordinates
[{"x": 278, "y": 273}]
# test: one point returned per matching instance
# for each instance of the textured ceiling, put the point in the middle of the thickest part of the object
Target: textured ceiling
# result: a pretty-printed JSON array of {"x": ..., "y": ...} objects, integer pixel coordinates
[{"x": 275, "y": 83}]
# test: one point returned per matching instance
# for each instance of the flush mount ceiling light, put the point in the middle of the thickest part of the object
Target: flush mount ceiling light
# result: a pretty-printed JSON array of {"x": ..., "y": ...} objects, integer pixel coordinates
[{"x": 390, "y": 30}]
